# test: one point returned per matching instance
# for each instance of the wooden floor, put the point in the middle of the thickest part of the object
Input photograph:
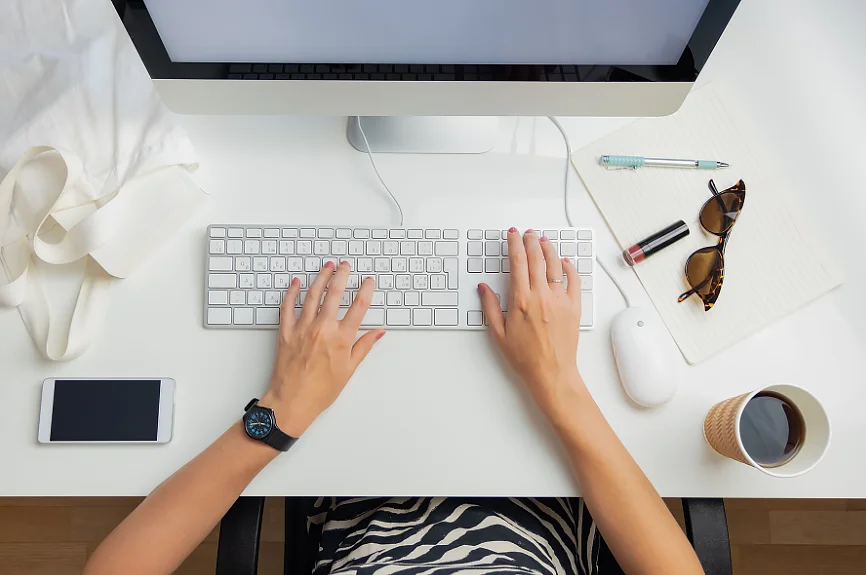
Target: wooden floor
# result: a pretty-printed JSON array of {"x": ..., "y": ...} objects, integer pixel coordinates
[{"x": 768, "y": 537}]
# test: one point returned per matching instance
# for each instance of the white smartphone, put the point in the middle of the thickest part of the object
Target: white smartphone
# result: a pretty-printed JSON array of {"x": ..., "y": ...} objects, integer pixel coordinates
[{"x": 120, "y": 410}]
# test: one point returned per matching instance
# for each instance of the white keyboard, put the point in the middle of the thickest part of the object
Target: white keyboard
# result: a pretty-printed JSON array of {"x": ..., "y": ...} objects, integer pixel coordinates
[{"x": 425, "y": 278}]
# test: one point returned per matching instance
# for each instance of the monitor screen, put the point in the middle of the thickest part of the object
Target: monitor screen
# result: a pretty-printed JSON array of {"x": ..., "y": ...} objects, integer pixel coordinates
[{"x": 590, "y": 32}]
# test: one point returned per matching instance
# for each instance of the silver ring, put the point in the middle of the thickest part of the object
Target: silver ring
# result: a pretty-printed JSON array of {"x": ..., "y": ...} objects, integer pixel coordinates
[{"x": 555, "y": 281}]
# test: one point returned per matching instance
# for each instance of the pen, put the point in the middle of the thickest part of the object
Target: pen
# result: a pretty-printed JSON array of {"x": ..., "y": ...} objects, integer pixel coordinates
[{"x": 640, "y": 162}]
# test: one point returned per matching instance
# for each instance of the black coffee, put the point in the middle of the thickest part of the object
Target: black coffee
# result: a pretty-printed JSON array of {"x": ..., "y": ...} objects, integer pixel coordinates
[{"x": 772, "y": 429}]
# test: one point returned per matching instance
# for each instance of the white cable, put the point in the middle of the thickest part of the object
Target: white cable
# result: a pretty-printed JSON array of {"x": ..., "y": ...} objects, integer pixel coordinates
[
  {"x": 568, "y": 166},
  {"x": 375, "y": 169}
]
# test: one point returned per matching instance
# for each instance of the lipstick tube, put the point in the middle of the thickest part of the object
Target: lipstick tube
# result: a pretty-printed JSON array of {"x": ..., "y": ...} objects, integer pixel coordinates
[{"x": 655, "y": 243}]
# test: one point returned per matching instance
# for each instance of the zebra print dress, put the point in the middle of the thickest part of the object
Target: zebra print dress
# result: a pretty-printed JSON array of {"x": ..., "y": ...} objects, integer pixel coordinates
[{"x": 446, "y": 536}]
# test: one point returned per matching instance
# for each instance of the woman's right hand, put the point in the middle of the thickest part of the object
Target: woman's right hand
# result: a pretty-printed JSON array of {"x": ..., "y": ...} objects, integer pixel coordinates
[{"x": 539, "y": 338}]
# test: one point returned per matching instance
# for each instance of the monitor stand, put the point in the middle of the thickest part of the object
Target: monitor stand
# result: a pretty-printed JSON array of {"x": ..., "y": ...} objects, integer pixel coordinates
[{"x": 425, "y": 134}]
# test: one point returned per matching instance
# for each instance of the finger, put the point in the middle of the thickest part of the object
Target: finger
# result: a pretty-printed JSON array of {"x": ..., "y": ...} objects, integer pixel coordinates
[
  {"x": 359, "y": 307},
  {"x": 336, "y": 289},
  {"x": 287, "y": 309},
  {"x": 554, "y": 264},
  {"x": 535, "y": 261},
  {"x": 364, "y": 344},
  {"x": 517, "y": 261},
  {"x": 573, "y": 280},
  {"x": 314, "y": 294},
  {"x": 490, "y": 306}
]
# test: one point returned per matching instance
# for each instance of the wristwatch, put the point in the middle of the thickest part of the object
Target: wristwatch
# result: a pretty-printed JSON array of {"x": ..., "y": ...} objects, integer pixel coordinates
[{"x": 261, "y": 425}]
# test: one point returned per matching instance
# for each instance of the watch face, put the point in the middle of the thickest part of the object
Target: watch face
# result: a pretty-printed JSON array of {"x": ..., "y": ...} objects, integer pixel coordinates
[{"x": 258, "y": 423}]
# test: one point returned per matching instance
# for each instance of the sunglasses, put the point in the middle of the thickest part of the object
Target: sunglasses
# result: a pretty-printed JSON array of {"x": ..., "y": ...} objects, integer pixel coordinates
[{"x": 705, "y": 269}]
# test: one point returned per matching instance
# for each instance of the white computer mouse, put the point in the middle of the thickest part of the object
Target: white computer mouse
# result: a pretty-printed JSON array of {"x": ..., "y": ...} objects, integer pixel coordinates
[{"x": 640, "y": 346}]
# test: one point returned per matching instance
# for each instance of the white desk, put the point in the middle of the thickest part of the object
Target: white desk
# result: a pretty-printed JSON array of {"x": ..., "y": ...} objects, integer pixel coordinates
[{"x": 411, "y": 423}]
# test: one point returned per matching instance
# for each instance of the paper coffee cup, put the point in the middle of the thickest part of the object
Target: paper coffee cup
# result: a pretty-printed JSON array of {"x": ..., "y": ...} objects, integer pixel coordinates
[{"x": 722, "y": 430}]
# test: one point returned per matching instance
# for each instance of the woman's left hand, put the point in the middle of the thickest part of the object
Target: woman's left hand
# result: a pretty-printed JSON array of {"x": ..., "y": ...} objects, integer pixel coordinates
[{"x": 317, "y": 353}]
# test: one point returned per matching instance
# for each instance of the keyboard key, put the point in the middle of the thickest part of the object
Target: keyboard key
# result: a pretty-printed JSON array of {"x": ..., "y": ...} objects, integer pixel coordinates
[
  {"x": 268, "y": 316},
  {"x": 380, "y": 234},
  {"x": 390, "y": 248},
  {"x": 415, "y": 234},
  {"x": 491, "y": 265},
  {"x": 346, "y": 299},
  {"x": 260, "y": 264},
  {"x": 566, "y": 235},
  {"x": 313, "y": 264},
  {"x": 374, "y": 248},
  {"x": 433, "y": 234},
  {"x": 243, "y": 316},
  {"x": 294, "y": 264},
  {"x": 551, "y": 234},
  {"x": 586, "y": 312},
  {"x": 434, "y": 265},
  {"x": 416, "y": 265},
  {"x": 382, "y": 265},
  {"x": 308, "y": 233},
  {"x": 385, "y": 282},
  {"x": 422, "y": 316},
  {"x": 447, "y": 248},
  {"x": 378, "y": 298},
  {"x": 220, "y": 264},
  {"x": 568, "y": 250},
  {"x": 321, "y": 247},
  {"x": 272, "y": 232},
  {"x": 397, "y": 234},
  {"x": 217, "y": 232},
  {"x": 398, "y": 264},
  {"x": 251, "y": 247},
  {"x": 445, "y": 317},
  {"x": 247, "y": 281},
  {"x": 437, "y": 281},
  {"x": 586, "y": 283},
  {"x": 269, "y": 247},
  {"x": 374, "y": 317},
  {"x": 474, "y": 249},
  {"x": 254, "y": 232},
  {"x": 407, "y": 248},
  {"x": 584, "y": 266},
  {"x": 475, "y": 235},
  {"x": 491, "y": 248},
  {"x": 474, "y": 318},
  {"x": 361, "y": 234},
  {"x": 219, "y": 316},
  {"x": 412, "y": 298},
  {"x": 450, "y": 235},
  {"x": 491, "y": 235},
  {"x": 425, "y": 248},
  {"x": 504, "y": 248},
  {"x": 272, "y": 298},
  {"x": 287, "y": 247},
  {"x": 353, "y": 281},
  {"x": 475, "y": 265},
  {"x": 439, "y": 299},
  {"x": 236, "y": 232},
  {"x": 326, "y": 233},
  {"x": 290, "y": 232},
  {"x": 222, "y": 281},
  {"x": 398, "y": 317},
  {"x": 282, "y": 281},
  {"x": 237, "y": 297},
  {"x": 217, "y": 246},
  {"x": 452, "y": 270},
  {"x": 234, "y": 247},
  {"x": 584, "y": 235},
  {"x": 344, "y": 234},
  {"x": 403, "y": 282},
  {"x": 365, "y": 264},
  {"x": 506, "y": 265},
  {"x": 339, "y": 247},
  {"x": 420, "y": 282},
  {"x": 394, "y": 298},
  {"x": 263, "y": 281},
  {"x": 584, "y": 249},
  {"x": 243, "y": 263},
  {"x": 217, "y": 298},
  {"x": 356, "y": 248}
]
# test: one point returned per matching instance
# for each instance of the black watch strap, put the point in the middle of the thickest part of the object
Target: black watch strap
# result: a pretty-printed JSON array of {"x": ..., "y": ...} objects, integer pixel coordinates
[{"x": 276, "y": 438}]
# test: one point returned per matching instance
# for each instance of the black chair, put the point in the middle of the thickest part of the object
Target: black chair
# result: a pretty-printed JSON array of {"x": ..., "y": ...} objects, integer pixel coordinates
[{"x": 238, "y": 551}]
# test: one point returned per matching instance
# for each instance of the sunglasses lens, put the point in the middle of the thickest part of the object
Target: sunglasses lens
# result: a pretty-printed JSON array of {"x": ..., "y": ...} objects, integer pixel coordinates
[
  {"x": 703, "y": 270},
  {"x": 720, "y": 212}
]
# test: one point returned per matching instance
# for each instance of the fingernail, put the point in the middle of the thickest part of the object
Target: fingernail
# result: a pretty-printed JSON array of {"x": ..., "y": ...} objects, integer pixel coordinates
[
  {"x": 368, "y": 280},
  {"x": 480, "y": 288},
  {"x": 530, "y": 231},
  {"x": 512, "y": 230},
  {"x": 346, "y": 264},
  {"x": 295, "y": 281},
  {"x": 380, "y": 336},
  {"x": 329, "y": 265},
  {"x": 544, "y": 239}
]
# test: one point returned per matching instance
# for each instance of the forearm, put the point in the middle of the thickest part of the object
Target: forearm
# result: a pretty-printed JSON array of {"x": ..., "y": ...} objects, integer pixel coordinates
[
  {"x": 180, "y": 513},
  {"x": 637, "y": 526}
]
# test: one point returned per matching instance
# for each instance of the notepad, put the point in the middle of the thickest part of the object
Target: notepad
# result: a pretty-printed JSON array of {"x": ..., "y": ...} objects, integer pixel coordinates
[{"x": 774, "y": 262}]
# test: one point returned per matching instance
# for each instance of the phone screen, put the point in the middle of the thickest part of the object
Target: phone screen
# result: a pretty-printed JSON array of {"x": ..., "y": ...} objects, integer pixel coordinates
[{"x": 105, "y": 410}]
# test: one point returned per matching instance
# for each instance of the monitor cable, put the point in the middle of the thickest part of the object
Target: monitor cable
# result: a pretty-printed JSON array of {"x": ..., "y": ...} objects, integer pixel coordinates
[
  {"x": 568, "y": 168},
  {"x": 375, "y": 169}
]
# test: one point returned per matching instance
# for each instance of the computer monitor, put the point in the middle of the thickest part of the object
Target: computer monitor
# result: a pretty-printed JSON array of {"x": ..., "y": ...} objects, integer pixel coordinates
[{"x": 425, "y": 59}]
